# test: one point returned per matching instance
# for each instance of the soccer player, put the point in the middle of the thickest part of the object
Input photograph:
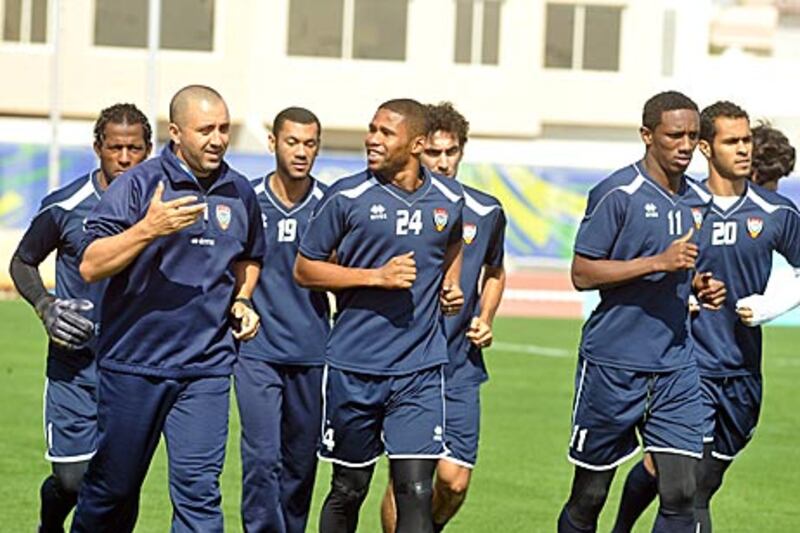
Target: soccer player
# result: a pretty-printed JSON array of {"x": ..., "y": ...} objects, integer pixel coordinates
[
  {"x": 746, "y": 224},
  {"x": 773, "y": 159},
  {"x": 279, "y": 372},
  {"x": 396, "y": 231},
  {"x": 122, "y": 140},
  {"x": 636, "y": 369},
  {"x": 471, "y": 329},
  {"x": 179, "y": 269},
  {"x": 732, "y": 246}
]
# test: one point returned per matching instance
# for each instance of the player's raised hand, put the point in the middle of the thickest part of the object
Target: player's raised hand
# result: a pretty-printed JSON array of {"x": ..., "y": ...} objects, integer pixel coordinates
[
  {"x": 451, "y": 298},
  {"x": 164, "y": 218},
  {"x": 399, "y": 272},
  {"x": 479, "y": 332},
  {"x": 681, "y": 254},
  {"x": 245, "y": 319},
  {"x": 710, "y": 292}
]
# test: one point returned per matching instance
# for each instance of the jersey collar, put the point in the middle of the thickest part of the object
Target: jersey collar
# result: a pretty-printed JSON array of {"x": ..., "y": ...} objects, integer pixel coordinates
[{"x": 179, "y": 172}]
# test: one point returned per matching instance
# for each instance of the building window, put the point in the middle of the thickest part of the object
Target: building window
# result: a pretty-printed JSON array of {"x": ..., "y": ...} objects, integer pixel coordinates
[
  {"x": 477, "y": 38},
  {"x": 583, "y": 37},
  {"x": 185, "y": 24},
  {"x": 357, "y": 29},
  {"x": 24, "y": 21}
]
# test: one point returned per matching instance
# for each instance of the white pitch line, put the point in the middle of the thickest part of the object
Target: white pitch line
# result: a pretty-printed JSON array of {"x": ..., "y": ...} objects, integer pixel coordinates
[{"x": 544, "y": 351}]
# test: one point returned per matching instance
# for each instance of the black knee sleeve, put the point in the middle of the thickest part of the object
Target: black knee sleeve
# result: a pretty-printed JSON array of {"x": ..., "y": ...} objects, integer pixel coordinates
[
  {"x": 349, "y": 487},
  {"x": 589, "y": 493},
  {"x": 70, "y": 475},
  {"x": 709, "y": 473},
  {"x": 676, "y": 482},
  {"x": 412, "y": 481}
]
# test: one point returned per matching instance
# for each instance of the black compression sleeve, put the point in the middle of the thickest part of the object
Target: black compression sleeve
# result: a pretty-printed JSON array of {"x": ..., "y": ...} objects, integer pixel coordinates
[{"x": 27, "y": 280}]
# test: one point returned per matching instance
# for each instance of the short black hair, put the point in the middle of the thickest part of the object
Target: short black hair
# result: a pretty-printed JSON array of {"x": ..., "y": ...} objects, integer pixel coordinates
[
  {"x": 414, "y": 112},
  {"x": 773, "y": 154},
  {"x": 300, "y": 115},
  {"x": 122, "y": 114},
  {"x": 710, "y": 114},
  {"x": 444, "y": 117},
  {"x": 661, "y": 103}
]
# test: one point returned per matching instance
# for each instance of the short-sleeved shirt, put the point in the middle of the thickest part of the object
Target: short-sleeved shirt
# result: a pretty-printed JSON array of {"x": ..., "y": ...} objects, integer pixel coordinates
[
  {"x": 295, "y": 321},
  {"x": 736, "y": 244},
  {"x": 642, "y": 324},
  {"x": 167, "y": 313},
  {"x": 484, "y": 237},
  {"x": 367, "y": 221},
  {"x": 59, "y": 226}
]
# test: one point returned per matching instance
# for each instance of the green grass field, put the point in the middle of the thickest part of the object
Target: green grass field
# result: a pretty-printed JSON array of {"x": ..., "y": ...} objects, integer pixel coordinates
[{"x": 522, "y": 478}]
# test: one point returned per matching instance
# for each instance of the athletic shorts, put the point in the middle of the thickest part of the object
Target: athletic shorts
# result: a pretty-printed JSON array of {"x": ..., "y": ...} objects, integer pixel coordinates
[
  {"x": 462, "y": 412},
  {"x": 731, "y": 407},
  {"x": 611, "y": 404},
  {"x": 366, "y": 415},
  {"x": 70, "y": 420}
]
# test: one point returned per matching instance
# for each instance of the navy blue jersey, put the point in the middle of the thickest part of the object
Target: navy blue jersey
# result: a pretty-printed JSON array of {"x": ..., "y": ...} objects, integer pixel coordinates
[
  {"x": 484, "y": 235},
  {"x": 294, "y": 321},
  {"x": 736, "y": 245},
  {"x": 643, "y": 324},
  {"x": 367, "y": 222},
  {"x": 166, "y": 314},
  {"x": 59, "y": 226}
]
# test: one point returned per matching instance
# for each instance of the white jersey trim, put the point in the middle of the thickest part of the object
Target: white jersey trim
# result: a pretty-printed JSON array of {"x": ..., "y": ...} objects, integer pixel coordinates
[
  {"x": 355, "y": 192},
  {"x": 315, "y": 193},
  {"x": 765, "y": 205},
  {"x": 352, "y": 194},
  {"x": 480, "y": 209},
  {"x": 450, "y": 195},
  {"x": 74, "y": 200},
  {"x": 699, "y": 190},
  {"x": 628, "y": 189}
]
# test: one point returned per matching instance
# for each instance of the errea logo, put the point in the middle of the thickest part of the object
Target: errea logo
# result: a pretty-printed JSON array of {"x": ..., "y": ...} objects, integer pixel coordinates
[
  {"x": 377, "y": 212},
  {"x": 650, "y": 210},
  {"x": 438, "y": 433}
]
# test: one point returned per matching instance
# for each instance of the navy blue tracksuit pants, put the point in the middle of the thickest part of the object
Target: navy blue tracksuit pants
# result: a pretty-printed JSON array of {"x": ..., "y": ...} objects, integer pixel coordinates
[
  {"x": 280, "y": 407},
  {"x": 133, "y": 411}
]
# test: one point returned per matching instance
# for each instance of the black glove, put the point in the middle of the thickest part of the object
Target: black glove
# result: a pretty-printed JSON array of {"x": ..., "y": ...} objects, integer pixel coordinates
[{"x": 63, "y": 322}]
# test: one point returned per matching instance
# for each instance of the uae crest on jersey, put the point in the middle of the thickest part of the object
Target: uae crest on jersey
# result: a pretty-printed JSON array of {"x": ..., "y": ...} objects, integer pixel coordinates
[
  {"x": 223, "y": 214},
  {"x": 754, "y": 226},
  {"x": 470, "y": 230},
  {"x": 697, "y": 216},
  {"x": 440, "y": 218}
]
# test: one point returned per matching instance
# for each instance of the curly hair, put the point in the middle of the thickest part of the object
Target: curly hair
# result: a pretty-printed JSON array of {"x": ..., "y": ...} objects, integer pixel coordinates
[
  {"x": 773, "y": 155},
  {"x": 444, "y": 117},
  {"x": 122, "y": 114}
]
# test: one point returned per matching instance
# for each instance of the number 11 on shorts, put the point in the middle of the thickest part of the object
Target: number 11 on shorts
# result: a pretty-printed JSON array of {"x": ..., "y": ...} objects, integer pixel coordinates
[{"x": 579, "y": 435}]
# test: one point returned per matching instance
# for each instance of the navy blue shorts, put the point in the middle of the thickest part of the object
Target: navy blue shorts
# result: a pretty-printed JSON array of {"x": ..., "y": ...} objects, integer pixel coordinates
[
  {"x": 611, "y": 404},
  {"x": 70, "y": 420},
  {"x": 365, "y": 416},
  {"x": 462, "y": 421},
  {"x": 731, "y": 407}
]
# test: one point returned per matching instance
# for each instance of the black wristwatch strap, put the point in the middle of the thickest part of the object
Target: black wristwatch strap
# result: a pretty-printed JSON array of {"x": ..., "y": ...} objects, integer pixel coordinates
[{"x": 242, "y": 300}]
